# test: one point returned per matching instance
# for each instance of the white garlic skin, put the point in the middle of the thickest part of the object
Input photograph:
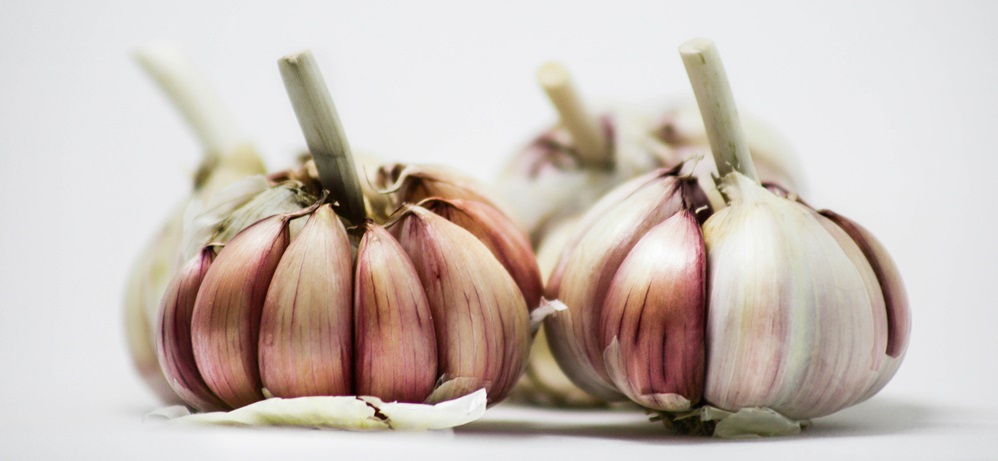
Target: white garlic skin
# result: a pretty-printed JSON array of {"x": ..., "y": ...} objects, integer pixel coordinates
[{"x": 796, "y": 318}]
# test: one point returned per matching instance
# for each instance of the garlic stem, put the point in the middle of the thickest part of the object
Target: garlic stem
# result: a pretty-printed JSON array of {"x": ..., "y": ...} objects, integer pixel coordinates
[
  {"x": 323, "y": 133},
  {"x": 717, "y": 107},
  {"x": 590, "y": 143},
  {"x": 193, "y": 97}
]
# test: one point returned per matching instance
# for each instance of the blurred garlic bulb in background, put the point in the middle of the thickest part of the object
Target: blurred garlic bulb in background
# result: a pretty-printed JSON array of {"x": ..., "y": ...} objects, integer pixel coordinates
[
  {"x": 227, "y": 157},
  {"x": 770, "y": 314},
  {"x": 581, "y": 158},
  {"x": 425, "y": 302}
]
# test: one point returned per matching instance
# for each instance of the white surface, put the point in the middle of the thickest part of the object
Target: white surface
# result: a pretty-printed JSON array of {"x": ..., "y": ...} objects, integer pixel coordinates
[{"x": 891, "y": 105}]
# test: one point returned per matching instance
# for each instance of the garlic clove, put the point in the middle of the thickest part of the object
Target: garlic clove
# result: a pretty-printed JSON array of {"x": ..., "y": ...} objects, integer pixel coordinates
[
  {"x": 479, "y": 314},
  {"x": 895, "y": 297},
  {"x": 226, "y": 321},
  {"x": 396, "y": 349},
  {"x": 789, "y": 317},
  {"x": 653, "y": 317},
  {"x": 173, "y": 339},
  {"x": 583, "y": 275},
  {"x": 889, "y": 278},
  {"x": 507, "y": 242},
  {"x": 306, "y": 327}
]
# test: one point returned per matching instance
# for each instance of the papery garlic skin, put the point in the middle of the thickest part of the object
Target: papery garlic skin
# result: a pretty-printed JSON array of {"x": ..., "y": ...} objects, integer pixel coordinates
[{"x": 796, "y": 321}]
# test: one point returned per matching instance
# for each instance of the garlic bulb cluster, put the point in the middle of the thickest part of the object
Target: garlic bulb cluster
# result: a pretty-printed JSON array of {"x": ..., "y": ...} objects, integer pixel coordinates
[
  {"x": 765, "y": 306},
  {"x": 227, "y": 158},
  {"x": 421, "y": 294}
]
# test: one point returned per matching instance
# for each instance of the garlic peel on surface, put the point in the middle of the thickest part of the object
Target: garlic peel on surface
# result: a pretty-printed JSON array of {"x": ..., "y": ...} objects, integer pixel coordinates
[{"x": 344, "y": 413}]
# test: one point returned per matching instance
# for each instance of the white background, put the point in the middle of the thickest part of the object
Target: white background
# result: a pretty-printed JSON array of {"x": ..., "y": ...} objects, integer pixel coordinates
[{"x": 891, "y": 105}]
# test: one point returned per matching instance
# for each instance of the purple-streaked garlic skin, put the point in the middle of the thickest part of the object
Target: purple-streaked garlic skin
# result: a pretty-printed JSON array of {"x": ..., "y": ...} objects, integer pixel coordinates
[
  {"x": 587, "y": 267},
  {"x": 480, "y": 316},
  {"x": 226, "y": 321},
  {"x": 173, "y": 340},
  {"x": 506, "y": 241},
  {"x": 653, "y": 316},
  {"x": 396, "y": 356},
  {"x": 306, "y": 326},
  {"x": 796, "y": 321}
]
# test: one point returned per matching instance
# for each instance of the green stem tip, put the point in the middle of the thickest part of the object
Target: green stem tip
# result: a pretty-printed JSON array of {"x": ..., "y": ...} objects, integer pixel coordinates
[
  {"x": 323, "y": 133},
  {"x": 717, "y": 107}
]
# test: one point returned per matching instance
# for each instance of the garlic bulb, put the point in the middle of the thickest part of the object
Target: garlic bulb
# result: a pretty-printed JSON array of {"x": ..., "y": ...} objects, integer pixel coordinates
[
  {"x": 766, "y": 314},
  {"x": 578, "y": 161},
  {"x": 227, "y": 158},
  {"x": 429, "y": 305}
]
